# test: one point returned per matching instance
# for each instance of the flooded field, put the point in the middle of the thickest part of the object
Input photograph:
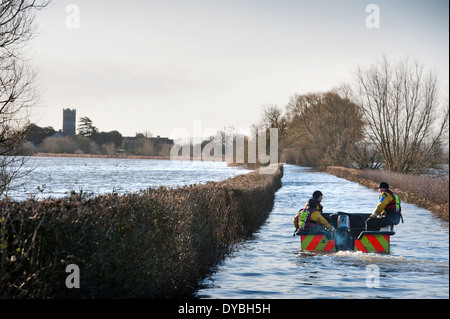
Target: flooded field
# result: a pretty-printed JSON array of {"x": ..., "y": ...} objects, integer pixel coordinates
[{"x": 57, "y": 176}]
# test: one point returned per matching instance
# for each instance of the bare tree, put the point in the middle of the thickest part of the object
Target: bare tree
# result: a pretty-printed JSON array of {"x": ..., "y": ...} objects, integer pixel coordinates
[
  {"x": 272, "y": 117},
  {"x": 365, "y": 155},
  {"x": 401, "y": 107},
  {"x": 17, "y": 93},
  {"x": 324, "y": 127}
]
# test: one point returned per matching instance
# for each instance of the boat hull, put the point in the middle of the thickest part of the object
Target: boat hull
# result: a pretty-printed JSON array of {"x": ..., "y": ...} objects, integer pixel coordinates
[
  {"x": 319, "y": 242},
  {"x": 356, "y": 238},
  {"x": 373, "y": 242}
]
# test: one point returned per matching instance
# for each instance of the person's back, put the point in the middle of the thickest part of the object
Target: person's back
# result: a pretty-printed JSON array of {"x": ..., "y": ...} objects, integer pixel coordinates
[{"x": 310, "y": 217}]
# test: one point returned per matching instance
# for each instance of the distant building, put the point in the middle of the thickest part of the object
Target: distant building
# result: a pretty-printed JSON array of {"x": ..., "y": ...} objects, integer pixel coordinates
[
  {"x": 157, "y": 141},
  {"x": 69, "y": 122},
  {"x": 160, "y": 146},
  {"x": 160, "y": 141},
  {"x": 57, "y": 134}
]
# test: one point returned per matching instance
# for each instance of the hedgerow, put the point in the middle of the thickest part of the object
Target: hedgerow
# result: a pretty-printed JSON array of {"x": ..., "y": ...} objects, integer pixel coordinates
[{"x": 158, "y": 243}]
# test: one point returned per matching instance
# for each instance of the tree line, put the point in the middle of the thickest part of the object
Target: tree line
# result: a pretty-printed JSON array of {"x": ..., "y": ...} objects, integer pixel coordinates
[
  {"x": 90, "y": 140},
  {"x": 392, "y": 117}
]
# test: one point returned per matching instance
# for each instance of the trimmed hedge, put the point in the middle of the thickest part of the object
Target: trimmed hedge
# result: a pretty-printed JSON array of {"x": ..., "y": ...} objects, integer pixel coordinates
[{"x": 159, "y": 243}]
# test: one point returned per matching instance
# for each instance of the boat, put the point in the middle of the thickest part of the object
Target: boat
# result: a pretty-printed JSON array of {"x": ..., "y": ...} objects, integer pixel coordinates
[{"x": 350, "y": 235}]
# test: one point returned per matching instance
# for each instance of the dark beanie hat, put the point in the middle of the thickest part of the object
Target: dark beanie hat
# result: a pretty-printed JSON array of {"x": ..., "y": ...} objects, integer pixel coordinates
[
  {"x": 383, "y": 185},
  {"x": 317, "y": 194},
  {"x": 312, "y": 203}
]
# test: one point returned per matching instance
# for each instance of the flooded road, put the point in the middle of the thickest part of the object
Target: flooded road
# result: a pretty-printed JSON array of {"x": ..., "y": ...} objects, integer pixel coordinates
[{"x": 271, "y": 264}]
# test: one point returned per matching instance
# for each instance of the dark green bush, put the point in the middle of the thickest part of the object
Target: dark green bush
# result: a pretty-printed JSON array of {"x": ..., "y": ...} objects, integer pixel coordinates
[{"x": 159, "y": 243}]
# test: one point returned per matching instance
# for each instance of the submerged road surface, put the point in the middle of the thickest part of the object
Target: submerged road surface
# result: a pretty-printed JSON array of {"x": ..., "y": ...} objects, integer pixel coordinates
[{"x": 271, "y": 264}]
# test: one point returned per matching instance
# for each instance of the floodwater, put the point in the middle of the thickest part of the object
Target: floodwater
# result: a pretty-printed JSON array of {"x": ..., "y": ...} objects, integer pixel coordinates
[
  {"x": 58, "y": 176},
  {"x": 271, "y": 264}
]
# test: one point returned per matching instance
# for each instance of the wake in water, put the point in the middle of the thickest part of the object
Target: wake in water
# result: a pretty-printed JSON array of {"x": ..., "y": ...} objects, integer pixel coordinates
[{"x": 389, "y": 263}]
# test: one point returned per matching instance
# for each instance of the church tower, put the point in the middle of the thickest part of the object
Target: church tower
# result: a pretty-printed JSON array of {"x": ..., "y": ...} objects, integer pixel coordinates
[{"x": 69, "y": 122}]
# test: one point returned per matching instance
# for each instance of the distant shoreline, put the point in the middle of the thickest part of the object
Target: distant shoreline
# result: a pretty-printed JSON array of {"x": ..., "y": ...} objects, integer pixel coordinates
[
  {"x": 99, "y": 156},
  {"x": 179, "y": 158}
]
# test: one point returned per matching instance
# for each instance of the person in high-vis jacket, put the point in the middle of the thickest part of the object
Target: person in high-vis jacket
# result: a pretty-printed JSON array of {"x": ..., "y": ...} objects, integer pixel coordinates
[
  {"x": 388, "y": 211},
  {"x": 311, "y": 219},
  {"x": 318, "y": 196}
]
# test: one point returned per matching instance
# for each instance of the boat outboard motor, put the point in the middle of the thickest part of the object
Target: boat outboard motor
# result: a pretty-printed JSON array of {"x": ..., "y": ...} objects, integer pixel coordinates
[
  {"x": 343, "y": 235},
  {"x": 343, "y": 222}
]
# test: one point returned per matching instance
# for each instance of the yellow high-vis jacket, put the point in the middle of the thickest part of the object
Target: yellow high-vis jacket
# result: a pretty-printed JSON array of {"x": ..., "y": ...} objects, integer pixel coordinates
[
  {"x": 385, "y": 199},
  {"x": 317, "y": 217}
]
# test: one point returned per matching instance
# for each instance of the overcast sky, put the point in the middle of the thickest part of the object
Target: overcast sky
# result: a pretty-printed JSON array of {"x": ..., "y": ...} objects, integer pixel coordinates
[{"x": 157, "y": 65}]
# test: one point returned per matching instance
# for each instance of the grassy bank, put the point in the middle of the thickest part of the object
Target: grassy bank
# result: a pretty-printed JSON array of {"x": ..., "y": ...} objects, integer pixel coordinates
[
  {"x": 428, "y": 192},
  {"x": 159, "y": 243}
]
